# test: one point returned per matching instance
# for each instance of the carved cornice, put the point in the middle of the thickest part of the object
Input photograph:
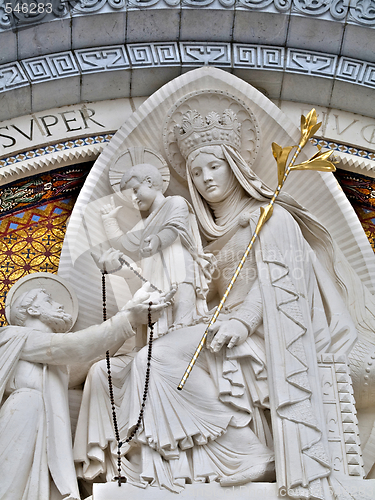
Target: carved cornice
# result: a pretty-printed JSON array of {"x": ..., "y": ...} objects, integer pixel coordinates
[
  {"x": 52, "y": 156},
  {"x": 185, "y": 54},
  {"x": 87, "y": 148},
  {"x": 361, "y": 12}
]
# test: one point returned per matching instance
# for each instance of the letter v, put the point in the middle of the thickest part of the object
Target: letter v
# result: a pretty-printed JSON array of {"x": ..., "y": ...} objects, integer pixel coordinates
[{"x": 30, "y": 137}]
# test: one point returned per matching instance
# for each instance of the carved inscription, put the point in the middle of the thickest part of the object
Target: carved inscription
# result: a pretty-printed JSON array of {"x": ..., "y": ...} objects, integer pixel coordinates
[{"x": 72, "y": 120}]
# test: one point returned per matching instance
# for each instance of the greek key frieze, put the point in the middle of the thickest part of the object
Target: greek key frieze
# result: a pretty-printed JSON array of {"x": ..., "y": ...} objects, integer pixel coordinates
[
  {"x": 153, "y": 54},
  {"x": 245, "y": 56},
  {"x": 102, "y": 59},
  {"x": 44, "y": 68},
  {"x": 369, "y": 78},
  {"x": 197, "y": 54},
  {"x": 311, "y": 63},
  {"x": 12, "y": 76},
  {"x": 189, "y": 54},
  {"x": 257, "y": 56},
  {"x": 350, "y": 70},
  {"x": 166, "y": 53},
  {"x": 358, "y": 72}
]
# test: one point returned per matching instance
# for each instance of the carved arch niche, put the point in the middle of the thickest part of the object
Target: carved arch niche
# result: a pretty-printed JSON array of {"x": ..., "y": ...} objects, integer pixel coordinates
[{"x": 319, "y": 193}]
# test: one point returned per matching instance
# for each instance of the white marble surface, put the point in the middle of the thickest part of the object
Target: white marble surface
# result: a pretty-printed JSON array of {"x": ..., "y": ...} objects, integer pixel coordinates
[
  {"x": 8, "y": 43},
  {"x": 194, "y": 24},
  {"x": 106, "y": 28},
  {"x": 106, "y": 85},
  {"x": 356, "y": 102},
  {"x": 268, "y": 84},
  {"x": 15, "y": 102},
  {"x": 57, "y": 93},
  {"x": 315, "y": 34},
  {"x": 154, "y": 24},
  {"x": 340, "y": 126},
  {"x": 54, "y": 36},
  {"x": 359, "y": 41},
  {"x": 31, "y": 131},
  {"x": 297, "y": 87},
  {"x": 260, "y": 27}
]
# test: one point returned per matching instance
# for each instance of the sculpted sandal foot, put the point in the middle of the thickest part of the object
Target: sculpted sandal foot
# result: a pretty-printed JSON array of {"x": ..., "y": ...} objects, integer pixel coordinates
[{"x": 262, "y": 472}]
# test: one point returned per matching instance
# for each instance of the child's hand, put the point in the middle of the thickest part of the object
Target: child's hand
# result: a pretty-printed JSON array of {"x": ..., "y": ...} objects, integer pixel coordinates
[
  {"x": 108, "y": 261},
  {"x": 109, "y": 211},
  {"x": 152, "y": 246}
]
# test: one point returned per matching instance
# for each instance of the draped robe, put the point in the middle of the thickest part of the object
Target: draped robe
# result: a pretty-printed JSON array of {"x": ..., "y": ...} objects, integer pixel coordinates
[
  {"x": 293, "y": 311},
  {"x": 35, "y": 435},
  {"x": 182, "y": 261}
]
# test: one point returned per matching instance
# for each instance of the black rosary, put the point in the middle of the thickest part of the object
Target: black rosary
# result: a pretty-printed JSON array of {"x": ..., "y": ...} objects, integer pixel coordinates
[{"x": 119, "y": 478}]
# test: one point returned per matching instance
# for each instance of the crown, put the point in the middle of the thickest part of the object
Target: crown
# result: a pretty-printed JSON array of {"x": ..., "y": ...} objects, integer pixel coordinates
[{"x": 196, "y": 132}]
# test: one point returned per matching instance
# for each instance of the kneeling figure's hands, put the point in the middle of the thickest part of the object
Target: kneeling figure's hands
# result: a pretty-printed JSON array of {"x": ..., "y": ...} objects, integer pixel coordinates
[{"x": 138, "y": 306}]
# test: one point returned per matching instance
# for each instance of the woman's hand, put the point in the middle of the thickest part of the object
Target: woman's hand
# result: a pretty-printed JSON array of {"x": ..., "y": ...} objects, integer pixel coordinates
[{"x": 229, "y": 332}]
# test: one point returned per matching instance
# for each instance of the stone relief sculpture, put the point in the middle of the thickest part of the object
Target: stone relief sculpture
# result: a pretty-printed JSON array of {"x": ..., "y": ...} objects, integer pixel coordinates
[
  {"x": 253, "y": 407},
  {"x": 165, "y": 243},
  {"x": 35, "y": 436}
]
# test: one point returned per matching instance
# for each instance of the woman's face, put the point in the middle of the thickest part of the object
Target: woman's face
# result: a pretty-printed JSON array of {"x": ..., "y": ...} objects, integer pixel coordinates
[{"x": 211, "y": 176}]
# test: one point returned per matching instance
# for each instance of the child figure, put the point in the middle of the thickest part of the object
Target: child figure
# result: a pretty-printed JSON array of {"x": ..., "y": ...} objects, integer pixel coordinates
[{"x": 165, "y": 243}]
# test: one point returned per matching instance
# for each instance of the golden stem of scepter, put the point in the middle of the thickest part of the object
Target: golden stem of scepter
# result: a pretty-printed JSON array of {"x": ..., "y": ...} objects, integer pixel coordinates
[{"x": 319, "y": 161}]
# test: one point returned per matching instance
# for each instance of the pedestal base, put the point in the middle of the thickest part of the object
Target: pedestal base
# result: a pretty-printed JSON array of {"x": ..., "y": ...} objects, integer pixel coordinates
[
  {"x": 209, "y": 491},
  {"x": 341, "y": 489}
]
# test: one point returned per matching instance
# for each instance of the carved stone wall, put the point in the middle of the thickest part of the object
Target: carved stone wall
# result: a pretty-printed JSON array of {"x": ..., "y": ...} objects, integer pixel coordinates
[
  {"x": 298, "y": 50},
  {"x": 71, "y": 77}
]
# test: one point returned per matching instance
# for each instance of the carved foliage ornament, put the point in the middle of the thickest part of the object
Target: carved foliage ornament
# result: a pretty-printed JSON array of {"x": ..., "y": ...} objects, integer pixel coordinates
[
  {"x": 196, "y": 132},
  {"x": 280, "y": 5},
  {"x": 20, "y": 12},
  {"x": 95, "y": 5},
  {"x": 337, "y": 8},
  {"x": 363, "y": 12}
]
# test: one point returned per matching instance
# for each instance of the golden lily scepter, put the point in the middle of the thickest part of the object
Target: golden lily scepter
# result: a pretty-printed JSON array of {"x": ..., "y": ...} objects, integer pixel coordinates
[{"x": 319, "y": 161}]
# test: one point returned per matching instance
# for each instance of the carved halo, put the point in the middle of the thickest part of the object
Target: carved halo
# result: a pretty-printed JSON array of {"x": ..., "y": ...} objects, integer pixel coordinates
[
  {"x": 136, "y": 156},
  {"x": 60, "y": 290},
  {"x": 206, "y": 101}
]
